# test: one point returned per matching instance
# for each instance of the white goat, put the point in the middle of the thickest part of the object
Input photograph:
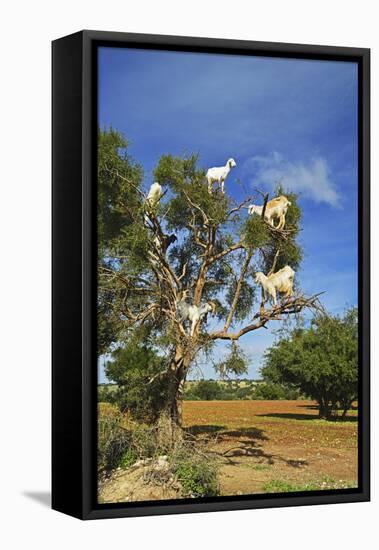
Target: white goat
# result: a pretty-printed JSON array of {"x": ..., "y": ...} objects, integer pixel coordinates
[
  {"x": 218, "y": 174},
  {"x": 154, "y": 195},
  {"x": 193, "y": 313},
  {"x": 281, "y": 281},
  {"x": 275, "y": 208}
]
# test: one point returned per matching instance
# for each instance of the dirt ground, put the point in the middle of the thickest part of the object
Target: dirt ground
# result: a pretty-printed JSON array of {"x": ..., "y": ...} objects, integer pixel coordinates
[
  {"x": 272, "y": 446},
  {"x": 260, "y": 447}
]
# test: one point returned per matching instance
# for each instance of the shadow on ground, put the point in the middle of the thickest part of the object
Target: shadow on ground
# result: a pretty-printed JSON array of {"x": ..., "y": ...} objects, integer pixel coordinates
[
  {"x": 202, "y": 429},
  {"x": 247, "y": 442}
]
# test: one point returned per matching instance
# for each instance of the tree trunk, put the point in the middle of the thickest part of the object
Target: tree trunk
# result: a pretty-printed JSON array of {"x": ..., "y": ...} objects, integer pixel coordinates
[
  {"x": 177, "y": 376},
  {"x": 346, "y": 407},
  {"x": 324, "y": 409},
  {"x": 175, "y": 406}
]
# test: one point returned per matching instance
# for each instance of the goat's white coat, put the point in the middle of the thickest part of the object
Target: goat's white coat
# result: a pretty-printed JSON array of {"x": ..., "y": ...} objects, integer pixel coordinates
[
  {"x": 155, "y": 193},
  {"x": 193, "y": 313},
  {"x": 218, "y": 174},
  {"x": 281, "y": 281},
  {"x": 276, "y": 208}
]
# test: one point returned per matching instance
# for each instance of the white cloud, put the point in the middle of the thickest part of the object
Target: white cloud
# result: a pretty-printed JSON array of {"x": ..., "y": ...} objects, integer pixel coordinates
[{"x": 311, "y": 180}]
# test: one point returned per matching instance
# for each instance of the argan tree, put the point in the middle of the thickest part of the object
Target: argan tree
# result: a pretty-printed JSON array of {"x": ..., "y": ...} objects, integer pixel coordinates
[
  {"x": 218, "y": 249},
  {"x": 321, "y": 361}
]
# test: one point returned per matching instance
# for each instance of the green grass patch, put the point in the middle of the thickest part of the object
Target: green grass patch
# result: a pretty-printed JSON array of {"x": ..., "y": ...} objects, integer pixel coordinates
[
  {"x": 281, "y": 486},
  {"x": 128, "y": 458}
]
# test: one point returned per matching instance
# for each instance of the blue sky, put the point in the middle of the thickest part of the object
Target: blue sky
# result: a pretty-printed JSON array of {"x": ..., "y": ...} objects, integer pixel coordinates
[{"x": 280, "y": 119}]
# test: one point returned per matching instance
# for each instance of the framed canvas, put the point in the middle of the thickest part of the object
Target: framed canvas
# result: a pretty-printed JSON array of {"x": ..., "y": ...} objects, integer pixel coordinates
[{"x": 210, "y": 275}]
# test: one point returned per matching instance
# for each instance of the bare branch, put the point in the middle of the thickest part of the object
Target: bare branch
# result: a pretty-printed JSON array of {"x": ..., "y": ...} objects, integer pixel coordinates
[
  {"x": 274, "y": 263},
  {"x": 197, "y": 207},
  {"x": 110, "y": 273},
  {"x": 226, "y": 251},
  {"x": 241, "y": 279},
  {"x": 184, "y": 271},
  {"x": 240, "y": 206},
  {"x": 287, "y": 307}
]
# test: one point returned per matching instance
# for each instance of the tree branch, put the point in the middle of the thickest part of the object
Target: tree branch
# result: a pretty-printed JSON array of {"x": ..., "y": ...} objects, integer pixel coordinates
[
  {"x": 135, "y": 187},
  {"x": 289, "y": 306},
  {"x": 228, "y": 250},
  {"x": 241, "y": 279},
  {"x": 239, "y": 207}
]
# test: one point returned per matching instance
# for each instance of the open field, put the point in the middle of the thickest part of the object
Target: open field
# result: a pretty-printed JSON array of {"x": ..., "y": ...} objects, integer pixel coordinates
[
  {"x": 275, "y": 446},
  {"x": 258, "y": 446}
]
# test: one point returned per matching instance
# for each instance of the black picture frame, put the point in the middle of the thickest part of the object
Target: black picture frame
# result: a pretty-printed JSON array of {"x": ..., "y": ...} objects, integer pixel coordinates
[{"x": 74, "y": 370}]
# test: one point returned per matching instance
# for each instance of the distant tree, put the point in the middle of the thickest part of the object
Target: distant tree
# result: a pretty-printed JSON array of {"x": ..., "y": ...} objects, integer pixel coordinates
[
  {"x": 206, "y": 390},
  {"x": 322, "y": 361},
  {"x": 217, "y": 252}
]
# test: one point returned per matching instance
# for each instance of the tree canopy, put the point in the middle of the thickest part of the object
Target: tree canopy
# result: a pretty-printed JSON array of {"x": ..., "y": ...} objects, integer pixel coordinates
[{"x": 321, "y": 361}]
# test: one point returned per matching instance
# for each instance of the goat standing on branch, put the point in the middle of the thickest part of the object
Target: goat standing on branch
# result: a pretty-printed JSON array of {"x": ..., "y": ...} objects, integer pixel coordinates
[
  {"x": 275, "y": 208},
  {"x": 193, "y": 313},
  {"x": 281, "y": 281},
  {"x": 154, "y": 195},
  {"x": 218, "y": 175}
]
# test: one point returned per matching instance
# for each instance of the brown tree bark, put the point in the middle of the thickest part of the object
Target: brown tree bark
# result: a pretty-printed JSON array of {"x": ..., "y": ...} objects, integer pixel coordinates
[{"x": 177, "y": 375}]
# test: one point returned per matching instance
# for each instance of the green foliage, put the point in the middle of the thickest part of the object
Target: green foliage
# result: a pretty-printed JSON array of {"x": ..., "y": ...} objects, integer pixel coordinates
[
  {"x": 197, "y": 475},
  {"x": 185, "y": 182},
  {"x": 279, "y": 486},
  {"x": 275, "y": 391},
  {"x": 120, "y": 447},
  {"x": 326, "y": 483},
  {"x": 245, "y": 303},
  {"x": 128, "y": 458},
  {"x": 113, "y": 441},
  {"x": 235, "y": 363},
  {"x": 255, "y": 232},
  {"x": 321, "y": 361},
  {"x": 119, "y": 179},
  {"x": 139, "y": 373},
  {"x": 106, "y": 393},
  {"x": 232, "y": 390},
  {"x": 205, "y": 390}
]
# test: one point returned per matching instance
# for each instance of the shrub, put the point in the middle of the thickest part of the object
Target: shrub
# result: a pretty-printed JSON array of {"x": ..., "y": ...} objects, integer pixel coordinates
[
  {"x": 275, "y": 391},
  {"x": 107, "y": 393},
  {"x": 141, "y": 386},
  {"x": 121, "y": 447},
  {"x": 128, "y": 458},
  {"x": 144, "y": 440},
  {"x": 113, "y": 440},
  {"x": 206, "y": 390},
  {"x": 197, "y": 475}
]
